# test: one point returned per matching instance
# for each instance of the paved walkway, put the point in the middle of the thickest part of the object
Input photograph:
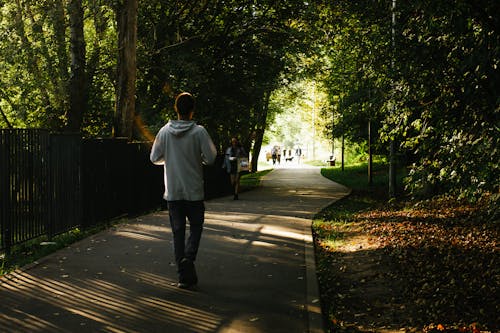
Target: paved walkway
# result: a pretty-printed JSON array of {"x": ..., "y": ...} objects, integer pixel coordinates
[{"x": 256, "y": 270}]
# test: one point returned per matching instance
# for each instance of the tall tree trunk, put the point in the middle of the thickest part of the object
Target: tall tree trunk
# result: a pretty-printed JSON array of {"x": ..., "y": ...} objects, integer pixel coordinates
[
  {"x": 60, "y": 38},
  {"x": 125, "y": 88},
  {"x": 259, "y": 131},
  {"x": 78, "y": 94},
  {"x": 392, "y": 147},
  {"x": 370, "y": 153}
]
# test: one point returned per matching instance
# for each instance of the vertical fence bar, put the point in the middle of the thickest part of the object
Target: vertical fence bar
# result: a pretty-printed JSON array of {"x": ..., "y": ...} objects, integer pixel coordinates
[
  {"x": 146, "y": 180},
  {"x": 65, "y": 183},
  {"x": 14, "y": 185},
  {"x": 5, "y": 184}
]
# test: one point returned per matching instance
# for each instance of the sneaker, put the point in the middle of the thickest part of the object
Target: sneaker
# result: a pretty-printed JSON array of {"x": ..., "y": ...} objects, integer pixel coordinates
[
  {"x": 235, "y": 197},
  {"x": 186, "y": 286}
]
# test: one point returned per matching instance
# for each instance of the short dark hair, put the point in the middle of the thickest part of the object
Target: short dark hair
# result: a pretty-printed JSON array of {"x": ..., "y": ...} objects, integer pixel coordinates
[{"x": 184, "y": 103}]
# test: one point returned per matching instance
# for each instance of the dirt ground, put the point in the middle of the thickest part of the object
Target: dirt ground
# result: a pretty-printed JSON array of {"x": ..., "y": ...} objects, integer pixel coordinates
[
  {"x": 365, "y": 295},
  {"x": 419, "y": 270}
]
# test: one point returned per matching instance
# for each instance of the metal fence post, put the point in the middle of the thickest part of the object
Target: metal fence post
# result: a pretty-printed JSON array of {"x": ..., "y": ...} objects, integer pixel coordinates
[{"x": 5, "y": 220}]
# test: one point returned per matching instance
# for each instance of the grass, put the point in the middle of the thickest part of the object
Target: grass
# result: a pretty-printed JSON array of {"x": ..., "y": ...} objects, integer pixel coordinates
[
  {"x": 35, "y": 249},
  {"x": 329, "y": 225},
  {"x": 356, "y": 176},
  {"x": 363, "y": 195},
  {"x": 251, "y": 180}
]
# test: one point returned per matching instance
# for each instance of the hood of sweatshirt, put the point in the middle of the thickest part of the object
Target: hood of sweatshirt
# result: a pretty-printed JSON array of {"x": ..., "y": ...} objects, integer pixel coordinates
[{"x": 180, "y": 127}]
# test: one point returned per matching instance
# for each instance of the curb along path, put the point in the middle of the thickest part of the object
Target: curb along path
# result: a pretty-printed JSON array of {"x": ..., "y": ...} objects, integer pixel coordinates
[{"x": 255, "y": 265}]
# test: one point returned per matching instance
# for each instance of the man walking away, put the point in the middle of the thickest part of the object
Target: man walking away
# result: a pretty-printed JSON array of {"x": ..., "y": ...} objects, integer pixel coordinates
[{"x": 183, "y": 147}]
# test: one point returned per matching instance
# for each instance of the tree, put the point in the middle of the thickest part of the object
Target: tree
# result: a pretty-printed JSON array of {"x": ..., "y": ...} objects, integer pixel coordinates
[
  {"x": 126, "y": 15},
  {"x": 231, "y": 56},
  {"x": 446, "y": 96},
  {"x": 78, "y": 81},
  {"x": 47, "y": 80}
]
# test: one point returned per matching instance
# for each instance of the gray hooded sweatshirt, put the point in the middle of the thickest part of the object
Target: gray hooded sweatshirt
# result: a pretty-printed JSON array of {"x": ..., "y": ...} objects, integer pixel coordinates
[{"x": 183, "y": 147}]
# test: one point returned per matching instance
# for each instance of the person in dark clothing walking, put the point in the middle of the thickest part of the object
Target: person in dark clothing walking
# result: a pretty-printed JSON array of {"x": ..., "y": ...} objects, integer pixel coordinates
[{"x": 183, "y": 147}]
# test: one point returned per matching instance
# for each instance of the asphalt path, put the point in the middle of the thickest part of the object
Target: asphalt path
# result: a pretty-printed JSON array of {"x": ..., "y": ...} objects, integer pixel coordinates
[{"x": 255, "y": 267}]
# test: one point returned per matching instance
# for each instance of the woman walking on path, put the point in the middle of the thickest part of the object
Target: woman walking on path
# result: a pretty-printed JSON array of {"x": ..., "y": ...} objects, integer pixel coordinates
[{"x": 233, "y": 154}]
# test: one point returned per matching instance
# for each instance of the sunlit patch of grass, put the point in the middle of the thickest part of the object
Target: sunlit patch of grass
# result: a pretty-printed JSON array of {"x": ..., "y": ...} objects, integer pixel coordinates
[
  {"x": 355, "y": 176},
  {"x": 251, "y": 180},
  {"x": 346, "y": 208},
  {"x": 331, "y": 224},
  {"x": 343, "y": 212},
  {"x": 329, "y": 234}
]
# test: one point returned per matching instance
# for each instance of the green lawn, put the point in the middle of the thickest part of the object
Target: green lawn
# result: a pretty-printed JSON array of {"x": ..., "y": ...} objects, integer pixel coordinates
[{"x": 251, "y": 180}]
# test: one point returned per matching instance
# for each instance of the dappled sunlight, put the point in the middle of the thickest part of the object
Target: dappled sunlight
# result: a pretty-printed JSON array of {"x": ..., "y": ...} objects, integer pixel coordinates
[
  {"x": 223, "y": 218},
  {"x": 97, "y": 302},
  {"x": 20, "y": 321},
  {"x": 144, "y": 232},
  {"x": 140, "y": 236},
  {"x": 263, "y": 244},
  {"x": 235, "y": 240},
  {"x": 281, "y": 232},
  {"x": 257, "y": 229},
  {"x": 355, "y": 244},
  {"x": 250, "y": 265},
  {"x": 159, "y": 281}
]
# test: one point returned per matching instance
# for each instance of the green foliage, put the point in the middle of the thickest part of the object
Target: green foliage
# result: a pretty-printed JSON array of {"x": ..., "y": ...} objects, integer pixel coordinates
[
  {"x": 33, "y": 250},
  {"x": 230, "y": 56},
  {"x": 29, "y": 252},
  {"x": 432, "y": 87},
  {"x": 434, "y": 90},
  {"x": 35, "y": 53},
  {"x": 449, "y": 93}
]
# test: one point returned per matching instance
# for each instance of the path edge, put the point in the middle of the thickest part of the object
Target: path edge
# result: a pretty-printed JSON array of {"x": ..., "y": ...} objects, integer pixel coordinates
[{"x": 314, "y": 310}]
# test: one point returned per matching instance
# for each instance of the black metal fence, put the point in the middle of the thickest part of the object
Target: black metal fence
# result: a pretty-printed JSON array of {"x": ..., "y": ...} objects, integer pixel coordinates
[
  {"x": 51, "y": 183},
  {"x": 24, "y": 185},
  {"x": 118, "y": 179}
]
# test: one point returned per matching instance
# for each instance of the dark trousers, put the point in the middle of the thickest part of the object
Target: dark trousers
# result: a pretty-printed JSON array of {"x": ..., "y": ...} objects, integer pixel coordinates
[{"x": 194, "y": 211}]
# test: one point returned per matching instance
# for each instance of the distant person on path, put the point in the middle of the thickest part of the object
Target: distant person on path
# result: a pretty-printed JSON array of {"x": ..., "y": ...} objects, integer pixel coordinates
[
  {"x": 274, "y": 154},
  {"x": 233, "y": 153},
  {"x": 298, "y": 153},
  {"x": 183, "y": 147}
]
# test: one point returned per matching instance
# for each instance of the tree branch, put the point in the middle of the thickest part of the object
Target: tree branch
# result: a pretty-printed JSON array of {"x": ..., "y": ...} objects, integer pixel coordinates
[{"x": 4, "y": 116}]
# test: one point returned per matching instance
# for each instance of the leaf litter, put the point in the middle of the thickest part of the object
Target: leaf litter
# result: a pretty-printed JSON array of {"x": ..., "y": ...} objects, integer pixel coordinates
[{"x": 431, "y": 266}]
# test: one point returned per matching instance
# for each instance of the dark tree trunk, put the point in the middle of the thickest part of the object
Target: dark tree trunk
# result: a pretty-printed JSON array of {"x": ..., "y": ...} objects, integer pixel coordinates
[
  {"x": 77, "y": 87},
  {"x": 125, "y": 88},
  {"x": 259, "y": 131}
]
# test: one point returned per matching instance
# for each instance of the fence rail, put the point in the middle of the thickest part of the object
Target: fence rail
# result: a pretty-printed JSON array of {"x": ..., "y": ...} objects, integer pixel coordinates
[{"x": 51, "y": 183}]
